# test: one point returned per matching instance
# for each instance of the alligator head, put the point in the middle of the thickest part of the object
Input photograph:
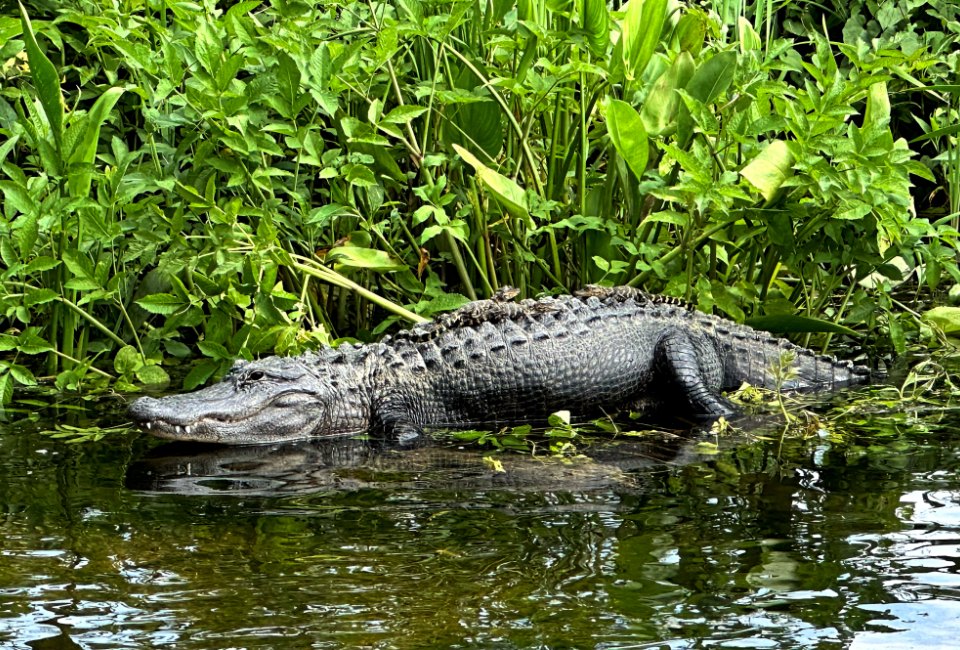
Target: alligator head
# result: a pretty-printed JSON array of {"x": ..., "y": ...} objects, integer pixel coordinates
[{"x": 266, "y": 401}]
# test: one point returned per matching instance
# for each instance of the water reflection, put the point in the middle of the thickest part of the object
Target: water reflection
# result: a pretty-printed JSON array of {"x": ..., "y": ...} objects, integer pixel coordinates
[
  {"x": 649, "y": 544},
  {"x": 347, "y": 464}
]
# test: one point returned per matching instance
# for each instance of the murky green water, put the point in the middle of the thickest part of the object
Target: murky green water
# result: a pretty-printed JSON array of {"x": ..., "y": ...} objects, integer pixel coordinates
[{"x": 815, "y": 545}]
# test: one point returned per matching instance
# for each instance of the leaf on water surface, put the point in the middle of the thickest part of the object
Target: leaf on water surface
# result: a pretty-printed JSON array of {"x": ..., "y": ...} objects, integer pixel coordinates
[{"x": 494, "y": 464}]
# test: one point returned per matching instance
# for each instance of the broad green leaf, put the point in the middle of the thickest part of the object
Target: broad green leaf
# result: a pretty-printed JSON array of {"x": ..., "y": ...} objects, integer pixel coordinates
[
  {"x": 17, "y": 196},
  {"x": 660, "y": 109},
  {"x": 713, "y": 77},
  {"x": 506, "y": 192},
  {"x": 30, "y": 343},
  {"x": 85, "y": 149},
  {"x": 877, "y": 113},
  {"x": 208, "y": 47},
  {"x": 78, "y": 265},
  {"x": 9, "y": 28},
  {"x": 749, "y": 39},
  {"x": 770, "y": 168},
  {"x": 443, "y": 302},
  {"x": 42, "y": 263},
  {"x": 853, "y": 211},
  {"x": 595, "y": 19},
  {"x": 945, "y": 318},
  {"x": 200, "y": 373},
  {"x": 45, "y": 79},
  {"x": 691, "y": 30},
  {"x": 371, "y": 259},
  {"x": 215, "y": 350},
  {"x": 640, "y": 34},
  {"x": 39, "y": 297},
  {"x": 22, "y": 375},
  {"x": 601, "y": 263},
  {"x": 628, "y": 135},
  {"x": 404, "y": 114},
  {"x": 28, "y": 230},
  {"x": 162, "y": 303},
  {"x": 6, "y": 388},
  {"x": 152, "y": 375},
  {"x": 794, "y": 324},
  {"x": 476, "y": 125},
  {"x": 127, "y": 360},
  {"x": 176, "y": 349}
]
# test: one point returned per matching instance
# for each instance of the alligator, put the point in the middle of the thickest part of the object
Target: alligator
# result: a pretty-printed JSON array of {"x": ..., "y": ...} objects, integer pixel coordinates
[{"x": 495, "y": 362}]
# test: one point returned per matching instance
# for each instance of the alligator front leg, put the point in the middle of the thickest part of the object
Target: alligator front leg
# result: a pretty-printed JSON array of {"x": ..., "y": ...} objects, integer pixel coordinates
[
  {"x": 393, "y": 418},
  {"x": 680, "y": 363}
]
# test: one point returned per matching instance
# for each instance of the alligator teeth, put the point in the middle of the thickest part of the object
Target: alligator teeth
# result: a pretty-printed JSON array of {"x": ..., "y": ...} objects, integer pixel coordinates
[
  {"x": 149, "y": 425},
  {"x": 186, "y": 429},
  {"x": 176, "y": 428}
]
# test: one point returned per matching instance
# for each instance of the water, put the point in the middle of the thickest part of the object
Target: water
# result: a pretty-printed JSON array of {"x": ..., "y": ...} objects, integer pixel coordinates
[{"x": 818, "y": 543}]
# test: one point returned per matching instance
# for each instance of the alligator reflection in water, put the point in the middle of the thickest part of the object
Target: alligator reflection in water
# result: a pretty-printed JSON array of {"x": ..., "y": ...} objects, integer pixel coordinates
[{"x": 320, "y": 464}]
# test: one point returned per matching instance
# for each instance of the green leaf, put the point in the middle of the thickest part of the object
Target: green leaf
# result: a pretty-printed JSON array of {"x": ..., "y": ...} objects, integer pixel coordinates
[
  {"x": 640, "y": 34},
  {"x": 628, "y": 135},
  {"x": 79, "y": 266},
  {"x": 22, "y": 375},
  {"x": 794, "y": 324},
  {"x": 162, "y": 303},
  {"x": 404, "y": 114},
  {"x": 18, "y": 197},
  {"x": 854, "y": 211},
  {"x": 770, "y": 168},
  {"x": 200, "y": 373},
  {"x": 595, "y": 19},
  {"x": 713, "y": 78},
  {"x": 127, "y": 361},
  {"x": 601, "y": 263},
  {"x": 691, "y": 30},
  {"x": 153, "y": 375},
  {"x": 945, "y": 318},
  {"x": 40, "y": 264},
  {"x": 176, "y": 349},
  {"x": 364, "y": 258},
  {"x": 214, "y": 350},
  {"x": 877, "y": 113},
  {"x": 27, "y": 233},
  {"x": 45, "y": 79},
  {"x": 660, "y": 109},
  {"x": 559, "y": 419},
  {"x": 39, "y": 296},
  {"x": 506, "y": 192},
  {"x": 85, "y": 150},
  {"x": 29, "y": 343},
  {"x": 6, "y": 388},
  {"x": 288, "y": 82}
]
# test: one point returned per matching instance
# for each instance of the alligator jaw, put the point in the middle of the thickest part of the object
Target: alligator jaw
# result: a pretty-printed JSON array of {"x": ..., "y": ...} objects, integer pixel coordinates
[{"x": 203, "y": 417}]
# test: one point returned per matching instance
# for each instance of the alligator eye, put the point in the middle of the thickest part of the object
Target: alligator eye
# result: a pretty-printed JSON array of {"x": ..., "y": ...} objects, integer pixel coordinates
[{"x": 256, "y": 375}]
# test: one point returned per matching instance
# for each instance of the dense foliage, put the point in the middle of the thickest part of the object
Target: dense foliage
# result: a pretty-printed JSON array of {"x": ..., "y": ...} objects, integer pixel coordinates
[{"x": 179, "y": 178}]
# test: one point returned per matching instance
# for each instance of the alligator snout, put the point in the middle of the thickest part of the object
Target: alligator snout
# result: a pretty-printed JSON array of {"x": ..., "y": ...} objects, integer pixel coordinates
[{"x": 144, "y": 409}]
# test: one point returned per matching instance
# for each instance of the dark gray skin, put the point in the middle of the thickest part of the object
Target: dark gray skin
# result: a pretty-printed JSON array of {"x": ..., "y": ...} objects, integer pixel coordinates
[{"x": 496, "y": 362}]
